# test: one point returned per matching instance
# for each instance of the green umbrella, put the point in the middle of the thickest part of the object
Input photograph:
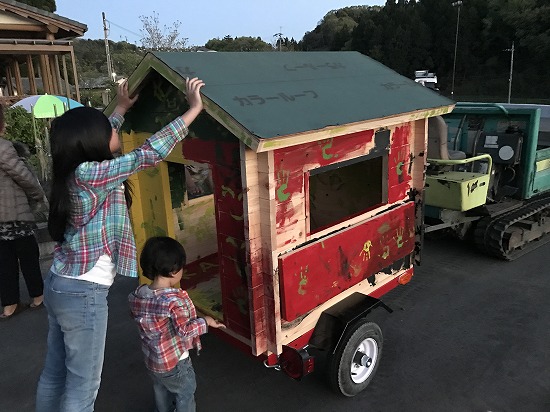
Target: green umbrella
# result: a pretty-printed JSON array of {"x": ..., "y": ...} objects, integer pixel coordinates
[{"x": 43, "y": 106}]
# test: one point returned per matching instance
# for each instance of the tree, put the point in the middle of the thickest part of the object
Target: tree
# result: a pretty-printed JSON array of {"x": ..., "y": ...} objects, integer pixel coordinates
[
  {"x": 125, "y": 57},
  {"x": 334, "y": 32},
  {"x": 91, "y": 60},
  {"x": 409, "y": 35},
  {"x": 157, "y": 39},
  {"x": 230, "y": 44},
  {"x": 47, "y": 5}
]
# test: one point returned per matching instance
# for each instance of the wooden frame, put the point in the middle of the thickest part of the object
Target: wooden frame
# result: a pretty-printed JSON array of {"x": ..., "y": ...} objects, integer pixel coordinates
[
  {"x": 369, "y": 251},
  {"x": 37, "y": 33}
]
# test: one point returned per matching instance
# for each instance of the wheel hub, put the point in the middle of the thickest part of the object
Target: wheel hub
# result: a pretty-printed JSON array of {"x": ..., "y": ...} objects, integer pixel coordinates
[{"x": 362, "y": 359}]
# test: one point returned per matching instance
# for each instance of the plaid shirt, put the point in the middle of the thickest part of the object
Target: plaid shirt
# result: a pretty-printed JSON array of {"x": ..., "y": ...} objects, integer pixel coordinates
[
  {"x": 168, "y": 325},
  {"x": 99, "y": 223}
]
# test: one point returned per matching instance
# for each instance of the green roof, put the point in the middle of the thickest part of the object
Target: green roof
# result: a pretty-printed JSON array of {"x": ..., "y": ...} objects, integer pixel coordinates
[{"x": 275, "y": 94}]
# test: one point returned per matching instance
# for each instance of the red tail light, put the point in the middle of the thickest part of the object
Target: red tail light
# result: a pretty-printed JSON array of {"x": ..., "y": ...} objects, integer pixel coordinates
[{"x": 296, "y": 363}]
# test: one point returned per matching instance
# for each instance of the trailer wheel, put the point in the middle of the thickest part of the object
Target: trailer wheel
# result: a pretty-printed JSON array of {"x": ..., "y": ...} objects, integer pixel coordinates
[{"x": 353, "y": 365}]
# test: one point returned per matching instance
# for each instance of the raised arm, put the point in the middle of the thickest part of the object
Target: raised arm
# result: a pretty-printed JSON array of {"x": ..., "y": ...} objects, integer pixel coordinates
[
  {"x": 110, "y": 173},
  {"x": 123, "y": 100},
  {"x": 193, "y": 87}
]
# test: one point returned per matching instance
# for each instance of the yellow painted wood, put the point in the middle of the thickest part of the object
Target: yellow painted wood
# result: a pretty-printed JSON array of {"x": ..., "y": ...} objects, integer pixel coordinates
[
  {"x": 151, "y": 212},
  {"x": 195, "y": 227}
]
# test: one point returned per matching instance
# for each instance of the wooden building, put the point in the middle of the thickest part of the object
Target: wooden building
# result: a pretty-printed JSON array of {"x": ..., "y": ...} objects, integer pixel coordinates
[
  {"x": 317, "y": 165},
  {"x": 36, "y": 44}
]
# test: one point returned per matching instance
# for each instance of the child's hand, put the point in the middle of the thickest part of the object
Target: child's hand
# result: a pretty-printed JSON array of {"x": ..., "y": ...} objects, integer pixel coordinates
[
  {"x": 193, "y": 87},
  {"x": 213, "y": 323},
  {"x": 123, "y": 100}
]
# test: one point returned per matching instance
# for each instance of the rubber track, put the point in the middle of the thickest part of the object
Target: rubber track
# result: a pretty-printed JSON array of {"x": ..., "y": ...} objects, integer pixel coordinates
[{"x": 490, "y": 233}]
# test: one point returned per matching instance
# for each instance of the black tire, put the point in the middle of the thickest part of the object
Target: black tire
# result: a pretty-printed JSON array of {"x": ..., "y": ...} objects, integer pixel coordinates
[{"x": 341, "y": 376}]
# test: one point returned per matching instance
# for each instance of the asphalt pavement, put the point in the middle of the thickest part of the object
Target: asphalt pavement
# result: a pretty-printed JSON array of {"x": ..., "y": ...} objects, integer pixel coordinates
[{"x": 469, "y": 333}]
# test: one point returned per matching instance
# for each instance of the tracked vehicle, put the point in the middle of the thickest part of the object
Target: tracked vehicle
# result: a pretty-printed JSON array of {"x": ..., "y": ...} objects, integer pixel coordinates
[{"x": 488, "y": 178}]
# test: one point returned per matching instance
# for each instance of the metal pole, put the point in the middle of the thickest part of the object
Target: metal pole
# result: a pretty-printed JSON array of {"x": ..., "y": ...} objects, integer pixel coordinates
[
  {"x": 280, "y": 35},
  {"x": 456, "y": 3},
  {"x": 106, "y": 33},
  {"x": 511, "y": 71}
]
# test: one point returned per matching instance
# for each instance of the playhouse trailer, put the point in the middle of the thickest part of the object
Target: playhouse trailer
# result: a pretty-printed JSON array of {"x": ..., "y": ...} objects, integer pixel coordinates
[{"x": 297, "y": 196}]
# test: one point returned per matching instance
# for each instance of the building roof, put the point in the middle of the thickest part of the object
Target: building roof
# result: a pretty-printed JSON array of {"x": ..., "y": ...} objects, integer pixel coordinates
[
  {"x": 67, "y": 27},
  {"x": 274, "y": 94}
]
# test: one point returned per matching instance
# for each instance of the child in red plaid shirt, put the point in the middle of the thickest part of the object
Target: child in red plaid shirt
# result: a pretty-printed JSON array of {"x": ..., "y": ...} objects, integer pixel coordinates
[{"x": 168, "y": 325}]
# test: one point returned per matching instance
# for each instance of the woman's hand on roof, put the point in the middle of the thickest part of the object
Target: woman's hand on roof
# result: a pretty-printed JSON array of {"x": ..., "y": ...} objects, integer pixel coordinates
[
  {"x": 124, "y": 101},
  {"x": 193, "y": 87}
]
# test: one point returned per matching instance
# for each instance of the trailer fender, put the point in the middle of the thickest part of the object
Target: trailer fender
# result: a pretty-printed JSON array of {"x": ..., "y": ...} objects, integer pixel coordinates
[
  {"x": 331, "y": 327},
  {"x": 336, "y": 320}
]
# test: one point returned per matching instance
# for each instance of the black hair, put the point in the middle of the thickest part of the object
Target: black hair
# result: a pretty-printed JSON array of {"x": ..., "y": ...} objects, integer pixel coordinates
[
  {"x": 161, "y": 256},
  {"x": 79, "y": 135},
  {"x": 22, "y": 149}
]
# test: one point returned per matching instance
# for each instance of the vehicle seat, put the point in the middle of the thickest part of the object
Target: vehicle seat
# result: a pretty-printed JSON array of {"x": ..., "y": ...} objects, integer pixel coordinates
[{"x": 437, "y": 141}]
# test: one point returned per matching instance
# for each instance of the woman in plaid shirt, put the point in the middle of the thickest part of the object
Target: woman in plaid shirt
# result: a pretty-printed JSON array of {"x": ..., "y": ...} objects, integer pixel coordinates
[
  {"x": 89, "y": 220},
  {"x": 168, "y": 325}
]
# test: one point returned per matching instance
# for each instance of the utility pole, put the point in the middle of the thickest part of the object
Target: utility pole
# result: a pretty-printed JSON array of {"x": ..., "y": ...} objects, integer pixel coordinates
[
  {"x": 109, "y": 62},
  {"x": 455, "y": 4},
  {"x": 280, "y": 36},
  {"x": 511, "y": 71}
]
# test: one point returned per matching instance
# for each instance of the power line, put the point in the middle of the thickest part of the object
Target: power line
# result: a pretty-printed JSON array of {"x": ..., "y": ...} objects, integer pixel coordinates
[{"x": 123, "y": 28}]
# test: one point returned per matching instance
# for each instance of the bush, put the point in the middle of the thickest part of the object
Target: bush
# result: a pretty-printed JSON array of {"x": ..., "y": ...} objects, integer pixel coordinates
[{"x": 19, "y": 127}]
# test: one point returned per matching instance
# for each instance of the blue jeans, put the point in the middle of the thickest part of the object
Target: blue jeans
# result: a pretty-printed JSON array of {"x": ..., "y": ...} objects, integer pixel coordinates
[
  {"x": 77, "y": 316},
  {"x": 175, "y": 389}
]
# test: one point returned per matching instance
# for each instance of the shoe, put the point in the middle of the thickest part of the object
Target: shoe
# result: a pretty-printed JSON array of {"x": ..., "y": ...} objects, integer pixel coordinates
[
  {"x": 34, "y": 306},
  {"x": 18, "y": 309}
]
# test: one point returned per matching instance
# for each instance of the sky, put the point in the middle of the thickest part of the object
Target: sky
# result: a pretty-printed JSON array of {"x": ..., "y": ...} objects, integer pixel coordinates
[{"x": 202, "y": 20}]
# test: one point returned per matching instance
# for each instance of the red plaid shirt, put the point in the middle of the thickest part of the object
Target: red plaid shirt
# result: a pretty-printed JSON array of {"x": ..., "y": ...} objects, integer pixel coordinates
[{"x": 168, "y": 325}]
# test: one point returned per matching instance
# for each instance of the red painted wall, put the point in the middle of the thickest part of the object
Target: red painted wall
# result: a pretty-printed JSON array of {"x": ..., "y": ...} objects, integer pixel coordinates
[
  {"x": 321, "y": 270},
  {"x": 293, "y": 163},
  {"x": 224, "y": 158}
]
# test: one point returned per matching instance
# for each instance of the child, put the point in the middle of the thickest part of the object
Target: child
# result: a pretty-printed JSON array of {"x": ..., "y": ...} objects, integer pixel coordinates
[
  {"x": 168, "y": 325},
  {"x": 89, "y": 220}
]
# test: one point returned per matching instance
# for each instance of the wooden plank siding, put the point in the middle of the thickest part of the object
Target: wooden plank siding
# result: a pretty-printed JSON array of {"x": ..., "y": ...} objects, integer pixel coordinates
[
  {"x": 315, "y": 273},
  {"x": 308, "y": 210},
  {"x": 253, "y": 238},
  {"x": 287, "y": 194},
  {"x": 224, "y": 159}
]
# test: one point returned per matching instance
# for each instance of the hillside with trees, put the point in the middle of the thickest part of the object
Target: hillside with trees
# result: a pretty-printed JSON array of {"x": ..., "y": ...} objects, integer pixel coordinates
[
  {"x": 405, "y": 35},
  {"x": 413, "y": 35}
]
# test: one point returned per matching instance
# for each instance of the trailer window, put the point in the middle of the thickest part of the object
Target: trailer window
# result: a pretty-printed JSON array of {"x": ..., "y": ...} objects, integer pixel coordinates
[{"x": 340, "y": 192}]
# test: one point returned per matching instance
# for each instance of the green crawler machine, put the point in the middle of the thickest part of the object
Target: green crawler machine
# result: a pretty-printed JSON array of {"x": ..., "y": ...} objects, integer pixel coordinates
[{"x": 488, "y": 176}]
